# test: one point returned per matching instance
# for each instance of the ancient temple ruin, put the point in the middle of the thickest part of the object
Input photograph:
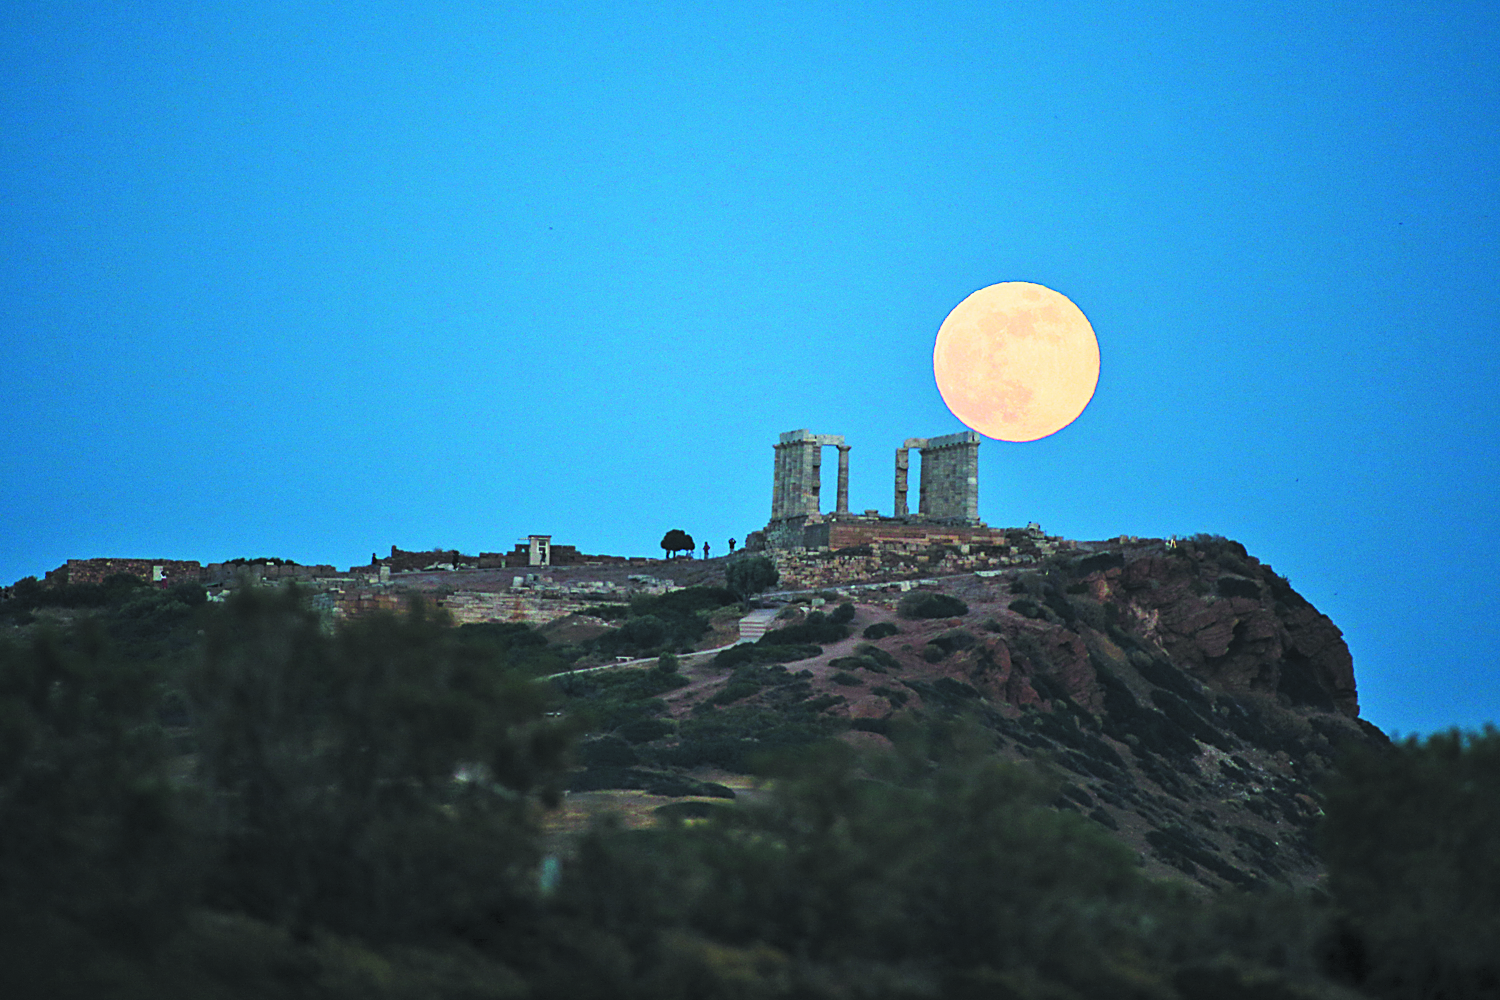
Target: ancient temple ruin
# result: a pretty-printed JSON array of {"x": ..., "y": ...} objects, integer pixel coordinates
[
  {"x": 949, "y": 490},
  {"x": 948, "y": 493}
]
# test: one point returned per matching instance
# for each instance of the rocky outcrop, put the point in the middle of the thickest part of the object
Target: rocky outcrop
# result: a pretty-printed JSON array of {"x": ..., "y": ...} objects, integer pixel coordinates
[{"x": 1192, "y": 701}]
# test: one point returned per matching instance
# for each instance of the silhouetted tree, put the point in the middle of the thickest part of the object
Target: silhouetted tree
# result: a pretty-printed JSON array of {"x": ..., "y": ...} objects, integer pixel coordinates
[{"x": 676, "y": 541}]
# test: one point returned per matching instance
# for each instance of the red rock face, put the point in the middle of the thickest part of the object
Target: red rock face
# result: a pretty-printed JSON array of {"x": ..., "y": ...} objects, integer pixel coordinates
[
  {"x": 1197, "y": 609},
  {"x": 1275, "y": 642}
]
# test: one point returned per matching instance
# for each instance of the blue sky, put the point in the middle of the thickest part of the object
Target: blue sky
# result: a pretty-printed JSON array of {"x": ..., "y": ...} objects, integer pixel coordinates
[{"x": 303, "y": 281}]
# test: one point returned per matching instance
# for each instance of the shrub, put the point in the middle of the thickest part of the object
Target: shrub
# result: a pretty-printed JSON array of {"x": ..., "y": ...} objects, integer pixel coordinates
[
  {"x": 332, "y": 762},
  {"x": 748, "y": 575},
  {"x": 668, "y": 663},
  {"x": 877, "y": 655},
  {"x": 866, "y": 658},
  {"x": 1414, "y": 861},
  {"x": 880, "y": 630},
  {"x": 1101, "y": 561},
  {"x": 1027, "y": 609},
  {"x": 846, "y": 679},
  {"x": 736, "y": 690},
  {"x": 842, "y": 615},
  {"x": 608, "y": 751},
  {"x": 748, "y": 652},
  {"x": 645, "y": 730},
  {"x": 919, "y": 604},
  {"x": 817, "y": 628},
  {"x": 1091, "y": 613}
]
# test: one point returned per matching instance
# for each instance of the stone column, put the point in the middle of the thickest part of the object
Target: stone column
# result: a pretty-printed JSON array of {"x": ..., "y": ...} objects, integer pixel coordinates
[
  {"x": 778, "y": 483},
  {"x": 903, "y": 461},
  {"x": 843, "y": 498},
  {"x": 812, "y": 477},
  {"x": 924, "y": 486}
]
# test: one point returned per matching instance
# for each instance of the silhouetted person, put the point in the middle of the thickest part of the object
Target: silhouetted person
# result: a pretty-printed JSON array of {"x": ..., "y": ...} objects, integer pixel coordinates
[
  {"x": 731, "y": 546},
  {"x": 705, "y": 550}
]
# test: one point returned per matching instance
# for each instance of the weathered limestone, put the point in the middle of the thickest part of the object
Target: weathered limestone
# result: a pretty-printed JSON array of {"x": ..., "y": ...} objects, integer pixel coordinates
[
  {"x": 799, "y": 467},
  {"x": 843, "y": 497},
  {"x": 949, "y": 487},
  {"x": 950, "y": 478},
  {"x": 903, "y": 464}
]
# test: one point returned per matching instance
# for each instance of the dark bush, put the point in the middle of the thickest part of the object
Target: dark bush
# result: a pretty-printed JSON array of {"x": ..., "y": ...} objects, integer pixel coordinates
[
  {"x": 922, "y": 604},
  {"x": 749, "y": 652},
  {"x": 846, "y": 679},
  {"x": 842, "y": 615},
  {"x": 866, "y": 658},
  {"x": 1027, "y": 608},
  {"x": 878, "y": 656},
  {"x": 736, "y": 690},
  {"x": 816, "y": 628},
  {"x": 645, "y": 632},
  {"x": 746, "y": 575},
  {"x": 645, "y": 730},
  {"x": 880, "y": 630},
  {"x": 1414, "y": 860},
  {"x": 608, "y": 751},
  {"x": 1099, "y": 562}
]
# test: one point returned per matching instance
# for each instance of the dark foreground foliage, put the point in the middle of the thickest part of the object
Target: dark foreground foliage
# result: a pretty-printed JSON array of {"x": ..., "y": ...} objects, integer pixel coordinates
[
  {"x": 1412, "y": 843},
  {"x": 354, "y": 814}
]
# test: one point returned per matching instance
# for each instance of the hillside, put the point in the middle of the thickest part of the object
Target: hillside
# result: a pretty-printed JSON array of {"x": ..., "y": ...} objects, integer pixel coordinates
[{"x": 1190, "y": 699}]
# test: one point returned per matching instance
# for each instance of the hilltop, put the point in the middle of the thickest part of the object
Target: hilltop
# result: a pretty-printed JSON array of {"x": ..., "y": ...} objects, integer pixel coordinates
[{"x": 1191, "y": 700}]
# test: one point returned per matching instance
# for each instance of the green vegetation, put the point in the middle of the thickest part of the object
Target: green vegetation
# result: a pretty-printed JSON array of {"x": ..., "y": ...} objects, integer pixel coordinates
[
  {"x": 749, "y": 652},
  {"x": 664, "y": 623},
  {"x": 281, "y": 809},
  {"x": 786, "y": 644},
  {"x": 816, "y": 627},
  {"x": 924, "y": 604},
  {"x": 513, "y": 646},
  {"x": 1414, "y": 860},
  {"x": 842, "y": 615},
  {"x": 746, "y": 575},
  {"x": 866, "y": 657},
  {"x": 880, "y": 630}
]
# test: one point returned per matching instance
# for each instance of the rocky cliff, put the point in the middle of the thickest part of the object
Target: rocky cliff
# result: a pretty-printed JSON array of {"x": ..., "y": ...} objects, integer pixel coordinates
[{"x": 1188, "y": 696}]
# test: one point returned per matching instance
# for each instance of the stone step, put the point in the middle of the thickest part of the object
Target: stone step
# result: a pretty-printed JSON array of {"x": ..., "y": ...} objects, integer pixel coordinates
[{"x": 756, "y": 624}]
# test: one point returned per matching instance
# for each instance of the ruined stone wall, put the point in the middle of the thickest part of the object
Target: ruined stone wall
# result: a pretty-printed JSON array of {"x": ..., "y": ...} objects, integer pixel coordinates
[
  {"x": 150, "y": 570},
  {"x": 472, "y": 607},
  {"x": 950, "y": 477},
  {"x": 881, "y": 552}
]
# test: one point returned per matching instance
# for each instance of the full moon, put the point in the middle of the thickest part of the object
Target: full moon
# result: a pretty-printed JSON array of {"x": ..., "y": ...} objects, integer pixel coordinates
[{"x": 1016, "y": 361}]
